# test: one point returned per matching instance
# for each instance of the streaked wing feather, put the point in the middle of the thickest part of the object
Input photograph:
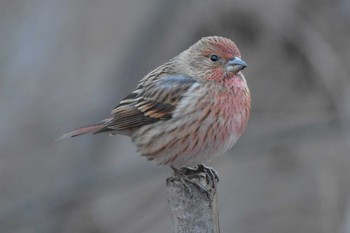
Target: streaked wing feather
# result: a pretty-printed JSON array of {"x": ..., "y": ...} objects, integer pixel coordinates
[{"x": 150, "y": 102}]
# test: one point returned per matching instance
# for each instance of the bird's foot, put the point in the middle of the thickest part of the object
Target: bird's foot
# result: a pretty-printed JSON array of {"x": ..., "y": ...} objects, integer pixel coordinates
[
  {"x": 204, "y": 178},
  {"x": 212, "y": 174}
]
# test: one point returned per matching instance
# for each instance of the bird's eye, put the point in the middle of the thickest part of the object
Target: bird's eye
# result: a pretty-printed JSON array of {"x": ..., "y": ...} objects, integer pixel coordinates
[{"x": 214, "y": 58}]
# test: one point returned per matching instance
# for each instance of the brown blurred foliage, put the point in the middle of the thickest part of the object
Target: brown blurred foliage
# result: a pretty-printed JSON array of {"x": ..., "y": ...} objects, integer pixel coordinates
[{"x": 68, "y": 63}]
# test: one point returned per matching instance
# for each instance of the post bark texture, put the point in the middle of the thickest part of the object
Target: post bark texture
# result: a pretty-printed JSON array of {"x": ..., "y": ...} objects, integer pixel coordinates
[{"x": 193, "y": 200}]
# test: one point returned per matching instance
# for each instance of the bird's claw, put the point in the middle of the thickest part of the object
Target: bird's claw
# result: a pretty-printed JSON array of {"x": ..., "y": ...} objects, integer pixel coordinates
[
  {"x": 195, "y": 175},
  {"x": 213, "y": 175}
]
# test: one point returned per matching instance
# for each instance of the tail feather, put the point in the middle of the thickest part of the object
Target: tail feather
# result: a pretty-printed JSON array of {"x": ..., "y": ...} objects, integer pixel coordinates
[{"x": 95, "y": 128}]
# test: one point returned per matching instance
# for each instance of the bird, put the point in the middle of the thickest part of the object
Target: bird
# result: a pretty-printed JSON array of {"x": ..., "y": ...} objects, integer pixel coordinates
[{"x": 187, "y": 111}]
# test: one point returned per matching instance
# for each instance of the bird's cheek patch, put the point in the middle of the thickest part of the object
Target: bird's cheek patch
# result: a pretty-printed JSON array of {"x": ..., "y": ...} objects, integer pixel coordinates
[{"x": 218, "y": 73}]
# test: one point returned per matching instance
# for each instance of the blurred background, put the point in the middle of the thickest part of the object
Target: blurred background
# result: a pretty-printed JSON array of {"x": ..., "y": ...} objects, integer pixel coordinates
[{"x": 64, "y": 64}]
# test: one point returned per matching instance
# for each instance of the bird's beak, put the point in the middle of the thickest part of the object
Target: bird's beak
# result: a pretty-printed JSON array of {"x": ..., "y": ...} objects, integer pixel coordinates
[{"x": 235, "y": 65}]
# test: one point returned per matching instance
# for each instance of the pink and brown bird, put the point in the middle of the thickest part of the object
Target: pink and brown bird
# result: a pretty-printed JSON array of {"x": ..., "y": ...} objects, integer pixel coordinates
[{"x": 188, "y": 110}]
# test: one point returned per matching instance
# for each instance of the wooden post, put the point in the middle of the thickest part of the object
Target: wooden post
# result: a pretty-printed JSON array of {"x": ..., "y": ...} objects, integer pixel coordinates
[{"x": 193, "y": 200}]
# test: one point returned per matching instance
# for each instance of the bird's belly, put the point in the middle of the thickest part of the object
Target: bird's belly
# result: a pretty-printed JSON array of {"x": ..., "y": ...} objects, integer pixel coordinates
[{"x": 191, "y": 140}]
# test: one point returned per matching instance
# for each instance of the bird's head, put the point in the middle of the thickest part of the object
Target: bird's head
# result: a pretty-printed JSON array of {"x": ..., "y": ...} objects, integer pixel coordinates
[{"x": 214, "y": 58}]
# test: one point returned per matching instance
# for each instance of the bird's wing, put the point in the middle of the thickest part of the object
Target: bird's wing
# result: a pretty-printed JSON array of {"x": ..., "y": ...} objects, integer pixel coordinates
[{"x": 152, "y": 101}]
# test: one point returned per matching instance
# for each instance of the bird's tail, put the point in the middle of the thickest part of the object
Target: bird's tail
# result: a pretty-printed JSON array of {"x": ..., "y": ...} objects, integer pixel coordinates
[{"x": 95, "y": 128}]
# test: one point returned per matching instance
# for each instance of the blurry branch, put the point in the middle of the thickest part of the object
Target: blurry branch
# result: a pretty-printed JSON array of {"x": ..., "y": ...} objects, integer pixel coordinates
[
  {"x": 193, "y": 200},
  {"x": 330, "y": 67},
  {"x": 324, "y": 59}
]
